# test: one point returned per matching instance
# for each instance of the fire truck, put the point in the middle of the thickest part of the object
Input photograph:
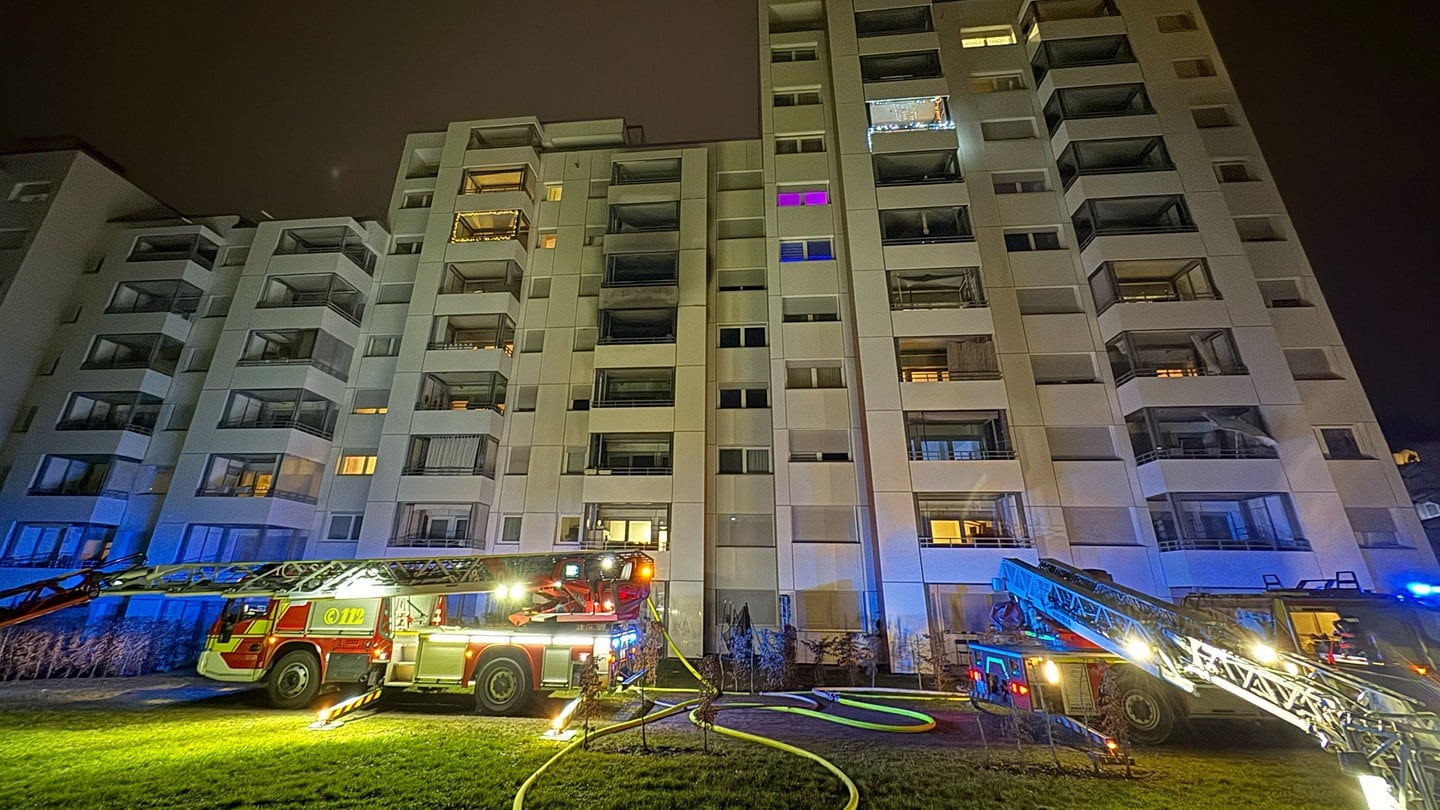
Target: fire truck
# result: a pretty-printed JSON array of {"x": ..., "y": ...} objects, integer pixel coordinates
[
  {"x": 300, "y": 627},
  {"x": 1216, "y": 653}
]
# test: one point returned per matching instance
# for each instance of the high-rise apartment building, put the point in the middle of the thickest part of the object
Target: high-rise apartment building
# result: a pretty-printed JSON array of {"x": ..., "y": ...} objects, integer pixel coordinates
[{"x": 999, "y": 278}]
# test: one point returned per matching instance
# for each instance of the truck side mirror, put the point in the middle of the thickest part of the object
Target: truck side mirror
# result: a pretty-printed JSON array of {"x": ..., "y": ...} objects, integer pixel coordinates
[{"x": 228, "y": 618}]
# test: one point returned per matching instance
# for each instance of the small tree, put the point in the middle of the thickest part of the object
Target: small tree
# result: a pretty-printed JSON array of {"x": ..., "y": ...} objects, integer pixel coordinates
[
  {"x": 706, "y": 712},
  {"x": 1111, "y": 712},
  {"x": 788, "y": 645},
  {"x": 647, "y": 659},
  {"x": 819, "y": 648},
  {"x": 589, "y": 705},
  {"x": 848, "y": 653}
]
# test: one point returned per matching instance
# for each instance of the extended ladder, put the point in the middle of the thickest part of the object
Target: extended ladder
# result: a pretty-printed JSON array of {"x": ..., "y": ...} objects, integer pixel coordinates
[
  {"x": 1360, "y": 720},
  {"x": 307, "y": 579}
]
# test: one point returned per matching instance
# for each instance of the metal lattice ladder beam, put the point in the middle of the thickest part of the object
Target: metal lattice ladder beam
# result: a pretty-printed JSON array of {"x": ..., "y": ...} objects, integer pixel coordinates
[{"x": 1345, "y": 713}]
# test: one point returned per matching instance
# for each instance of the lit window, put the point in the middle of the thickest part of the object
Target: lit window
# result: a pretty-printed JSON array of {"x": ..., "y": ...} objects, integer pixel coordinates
[
  {"x": 357, "y": 465},
  {"x": 547, "y": 241},
  {"x": 987, "y": 36},
  {"x": 806, "y": 250},
  {"x": 553, "y": 192},
  {"x": 786, "y": 198},
  {"x": 929, "y": 112}
]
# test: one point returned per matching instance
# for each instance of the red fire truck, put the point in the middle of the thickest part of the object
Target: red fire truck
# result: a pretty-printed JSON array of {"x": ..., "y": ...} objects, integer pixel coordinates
[{"x": 300, "y": 627}]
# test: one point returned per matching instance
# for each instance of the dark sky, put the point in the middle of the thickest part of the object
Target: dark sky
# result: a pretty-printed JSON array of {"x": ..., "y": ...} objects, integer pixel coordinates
[{"x": 300, "y": 109}]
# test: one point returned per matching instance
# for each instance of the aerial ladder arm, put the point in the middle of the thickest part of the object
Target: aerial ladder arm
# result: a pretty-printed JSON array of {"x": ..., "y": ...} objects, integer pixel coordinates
[{"x": 1353, "y": 716}]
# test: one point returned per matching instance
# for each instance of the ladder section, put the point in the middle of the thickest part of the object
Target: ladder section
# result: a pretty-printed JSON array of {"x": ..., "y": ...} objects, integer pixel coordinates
[{"x": 1357, "y": 718}]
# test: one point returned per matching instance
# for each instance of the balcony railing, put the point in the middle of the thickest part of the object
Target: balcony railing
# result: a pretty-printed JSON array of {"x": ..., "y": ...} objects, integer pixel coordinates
[
  {"x": 621, "y": 340},
  {"x": 956, "y": 454},
  {"x": 255, "y": 492},
  {"x": 1234, "y": 544},
  {"x": 162, "y": 365},
  {"x": 184, "y": 307},
  {"x": 337, "y": 373},
  {"x": 629, "y": 470},
  {"x": 666, "y": 402},
  {"x": 286, "y": 422},
  {"x": 80, "y": 489},
  {"x": 975, "y": 542},
  {"x": 927, "y": 374},
  {"x": 67, "y": 562},
  {"x": 421, "y": 469},
  {"x": 106, "y": 424},
  {"x": 422, "y": 541},
  {"x": 1179, "y": 371},
  {"x": 1259, "y": 451},
  {"x": 595, "y": 541},
  {"x": 469, "y": 345}
]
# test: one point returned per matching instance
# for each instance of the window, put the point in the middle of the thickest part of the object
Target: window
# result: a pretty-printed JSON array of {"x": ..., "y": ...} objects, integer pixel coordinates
[
  {"x": 546, "y": 240},
  {"x": 553, "y": 193},
  {"x": 356, "y": 464},
  {"x": 633, "y": 326},
  {"x": 829, "y": 375},
  {"x": 569, "y": 529},
  {"x": 1283, "y": 293},
  {"x": 978, "y": 520},
  {"x": 806, "y": 250},
  {"x": 1063, "y": 369},
  {"x": 47, "y": 366},
  {"x": 383, "y": 346},
  {"x": 1226, "y": 522},
  {"x": 90, "y": 475},
  {"x": 1208, "y": 433},
  {"x": 1340, "y": 443},
  {"x": 823, "y": 524},
  {"x": 171, "y": 247},
  {"x": 744, "y": 398},
  {"x": 925, "y": 226},
  {"x": 451, "y": 455},
  {"x": 490, "y": 226},
  {"x": 987, "y": 36},
  {"x": 1235, "y": 171},
  {"x": 631, "y": 453},
  {"x": 519, "y": 461},
  {"x": 634, "y": 388},
  {"x": 262, "y": 476},
  {"x": 483, "y": 181},
  {"x": 1201, "y": 353},
  {"x": 228, "y": 543},
  {"x": 510, "y": 528},
  {"x": 890, "y": 67},
  {"x": 891, "y": 21},
  {"x": 462, "y": 391},
  {"x": 423, "y": 163},
  {"x": 153, "y": 351},
  {"x": 439, "y": 525},
  {"x": 997, "y": 82},
  {"x": 1374, "y": 527},
  {"x": 798, "y": 144},
  {"x": 891, "y": 115},
  {"x": 344, "y": 527},
  {"x": 1311, "y": 364},
  {"x": 472, "y": 332},
  {"x": 947, "y": 359},
  {"x": 1259, "y": 229},
  {"x": 793, "y": 54},
  {"x": 1129, "y": 216},
  {"x": 371, "y": 401},
  {"x": 1048, "y": 300},
  {"x": 642, "y": 269},
  {"x": 1152, "y": 280},
  {"x": 1012, "y": 129},
  {"x": 532, "y": 341},
  {"x": 791, "y": 195},
  {"x": 31, "y": 191},
  {"x": 12, "y": 238},
  {"x": 1112, "y": 156},
  {"x": 655, "y": 170},
  {"x": 800, "y": 97},
  {"x": 744, "y": 461},
  {"x": 737, "y": 336},
  {"x": 629, "y": 526},
  {"x": 938, "y": 288},
  {"x": 525, "y": 398},
  {"x": 1023, "y": 241},
  {"x": 1055, "y": 54},
  {"x": 743, "y": 530},
  {"x": 1172, "y": 23},
  {"x": 1018, "y": 182},
  {"x": 819, "y": 445},
  {"x": 417, "y": 199},
  {"x": 644, "y": 217},
  {"x": 311, "y": 241},
  {"x": 752, "y": 278},
  {"x": 1193, "y": 68},
  {"x": 810, "y": 309},
  {"x": 1097, "y": 101},
  {"x": 916, "y": 168},
  {"x": 286, "y": 408},
  {"x": 312, "y": 290},
  {"x": 1212, "y": 117},
  {"x": 957, "y": 435},
  {"x": 580, "y": 397}
]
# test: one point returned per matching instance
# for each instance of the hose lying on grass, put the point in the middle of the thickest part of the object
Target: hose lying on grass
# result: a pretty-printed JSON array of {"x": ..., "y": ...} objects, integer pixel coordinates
[{"x": 811, "y": 709}]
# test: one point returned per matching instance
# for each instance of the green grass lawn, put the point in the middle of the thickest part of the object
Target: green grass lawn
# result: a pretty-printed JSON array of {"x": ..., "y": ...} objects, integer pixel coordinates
[{"x": 227, "y": 754}]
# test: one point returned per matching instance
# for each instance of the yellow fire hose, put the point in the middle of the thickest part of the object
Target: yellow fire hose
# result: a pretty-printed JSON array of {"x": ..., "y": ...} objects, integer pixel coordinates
[{"x": 926, "y": 722}]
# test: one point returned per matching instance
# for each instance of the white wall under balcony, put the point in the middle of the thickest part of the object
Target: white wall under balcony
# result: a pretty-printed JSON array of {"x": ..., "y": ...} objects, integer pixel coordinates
[
  {"x": 631, "y": 420},
  {"x": 828, "y": 566},
  {"x": 1212, "y": 475},
  {"x": 929, "y": 322},
  {"x": 950, "y": 254},
  {"x": 967, "y": 476},
  {"x": 1093, "y": 483},
  {"x": 1153, "y": 315},
  {"x": 1130, "y": 566},
  {"x": 638, "y": 355},
  {"x": 603, "y": 488},
  {"x": 442, "y": 360},
  {"x": 969, "y": 565},
  {"x": 446, "y": 489},
  {"x": 1180, "y": 392},
  {"x": 940, "y": 396},
  {"x": 480, "y": 421},
  {"x": 1236, "y": 570},
  {"x": 1082, "y": 404},
  {"x": 821, "y": 482}
]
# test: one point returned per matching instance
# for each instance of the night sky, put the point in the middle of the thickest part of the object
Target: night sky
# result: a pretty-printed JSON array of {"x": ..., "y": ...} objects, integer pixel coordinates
[{"x": 300, "y": 109}]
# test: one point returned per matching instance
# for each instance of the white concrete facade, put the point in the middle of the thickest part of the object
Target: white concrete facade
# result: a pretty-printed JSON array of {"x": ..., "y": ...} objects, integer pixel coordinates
[{"x": 997, "y": 279}]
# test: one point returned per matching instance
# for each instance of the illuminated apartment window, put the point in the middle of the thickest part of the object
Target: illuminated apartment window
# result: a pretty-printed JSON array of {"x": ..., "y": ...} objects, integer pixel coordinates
[
  {"x": 483, "y": 181},
  {"x": 987, "y": 36},
  {"x": 546, "y": 241},
  {"x": 553, "y": 192},
  {"x": 971, "y": 520},
  {"x": 927, "y": 112},
  {"x": 997, "y": 82},
  {"x": 490, "y": 226},
  {"x": 789, "y": 196},
  {"x": 1193, "y": 68},
  {"x": 806, "y": 250},
  {"x": 357, "y": 465}
]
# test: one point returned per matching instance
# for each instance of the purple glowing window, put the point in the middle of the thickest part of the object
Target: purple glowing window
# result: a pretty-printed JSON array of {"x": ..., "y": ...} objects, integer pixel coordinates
[{"x": 786, "y": 199}]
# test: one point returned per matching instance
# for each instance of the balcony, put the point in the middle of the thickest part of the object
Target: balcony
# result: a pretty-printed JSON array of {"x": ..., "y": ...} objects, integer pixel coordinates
[
  {"x": 634, "y": 388},
  {"x": 1158, "y": 280},
  {"x": 318, "y": 290},
  {"x": 1058, "y": 54},
  {"x": 451, "y": 455},
  {"x": 926, "y": 226},
  {"x": 1113, "y": 156},
  {"x": 1226, "y": 522},
  {"x": 928, "y": 360},
  {"x": 641, "y": 269},
  {"x": 425, "y": 541},
  {"x": 637, "y": 527},
  {"x": 490, "y": 226},
  {"x": 175, "y": 297},
  {"x": 482, "y": 277},
  {"x": 111, "y": 410},
  {"x": 153, "y": 351},
  {"x": 1174, "y": 354},
  {"x": 631, "y": 454},
  {"x": 281, "y": 408},
  {"x": 462, "y": 391},
  {"x": 473, "y": 333},
  {"x": 491, "y": 180},
  {"x": 65, "y": 546},
  {"x": 1042, "y": 11},
  {"x": 893, "y": 21},
  {"x": 178, "y": 247},
  {"x": 439, "y": 525},
  {"x": 916, "y": 168},
  {"x": 85, "y": 475},
  {"x": 896, "y": 67},
  {"x": 644, "y": 218},
  {"x": 957, "y": 436},
  {"x": 656, "y": 170},
  {"x": 1195, "y": 433},
  {"x": 980, "y": 520},
  {"x": 337, "y": 239},
  {"x": 288, "y": 347},
  {"x": 636, "y": 326},
  {"x": 1131, "y": 216},
  {"x": 957, "y": 288},
  {"x": 1100, "y": 101}
]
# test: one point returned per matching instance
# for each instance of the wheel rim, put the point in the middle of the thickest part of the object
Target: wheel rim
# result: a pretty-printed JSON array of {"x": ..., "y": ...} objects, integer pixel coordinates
[
  {"x": 293, "y": 680},
  {"x": 1141, "y": 711},
  {"x": 501, "y": 685}
]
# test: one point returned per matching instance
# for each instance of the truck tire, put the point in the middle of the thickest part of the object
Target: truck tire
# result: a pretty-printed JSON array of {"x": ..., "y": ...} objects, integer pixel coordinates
[
  {"x": 502, "y": 686},
  {"x": 294, "y": 680},
  {"x": 1148, "y": 711}
]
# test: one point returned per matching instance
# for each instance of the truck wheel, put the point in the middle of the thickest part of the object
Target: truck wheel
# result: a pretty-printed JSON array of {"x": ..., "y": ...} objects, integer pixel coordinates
[
  {"x": 502, "y": 687},
  {"x": 294, "y": 681},
  {"x": 1148, "y": 713}
]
